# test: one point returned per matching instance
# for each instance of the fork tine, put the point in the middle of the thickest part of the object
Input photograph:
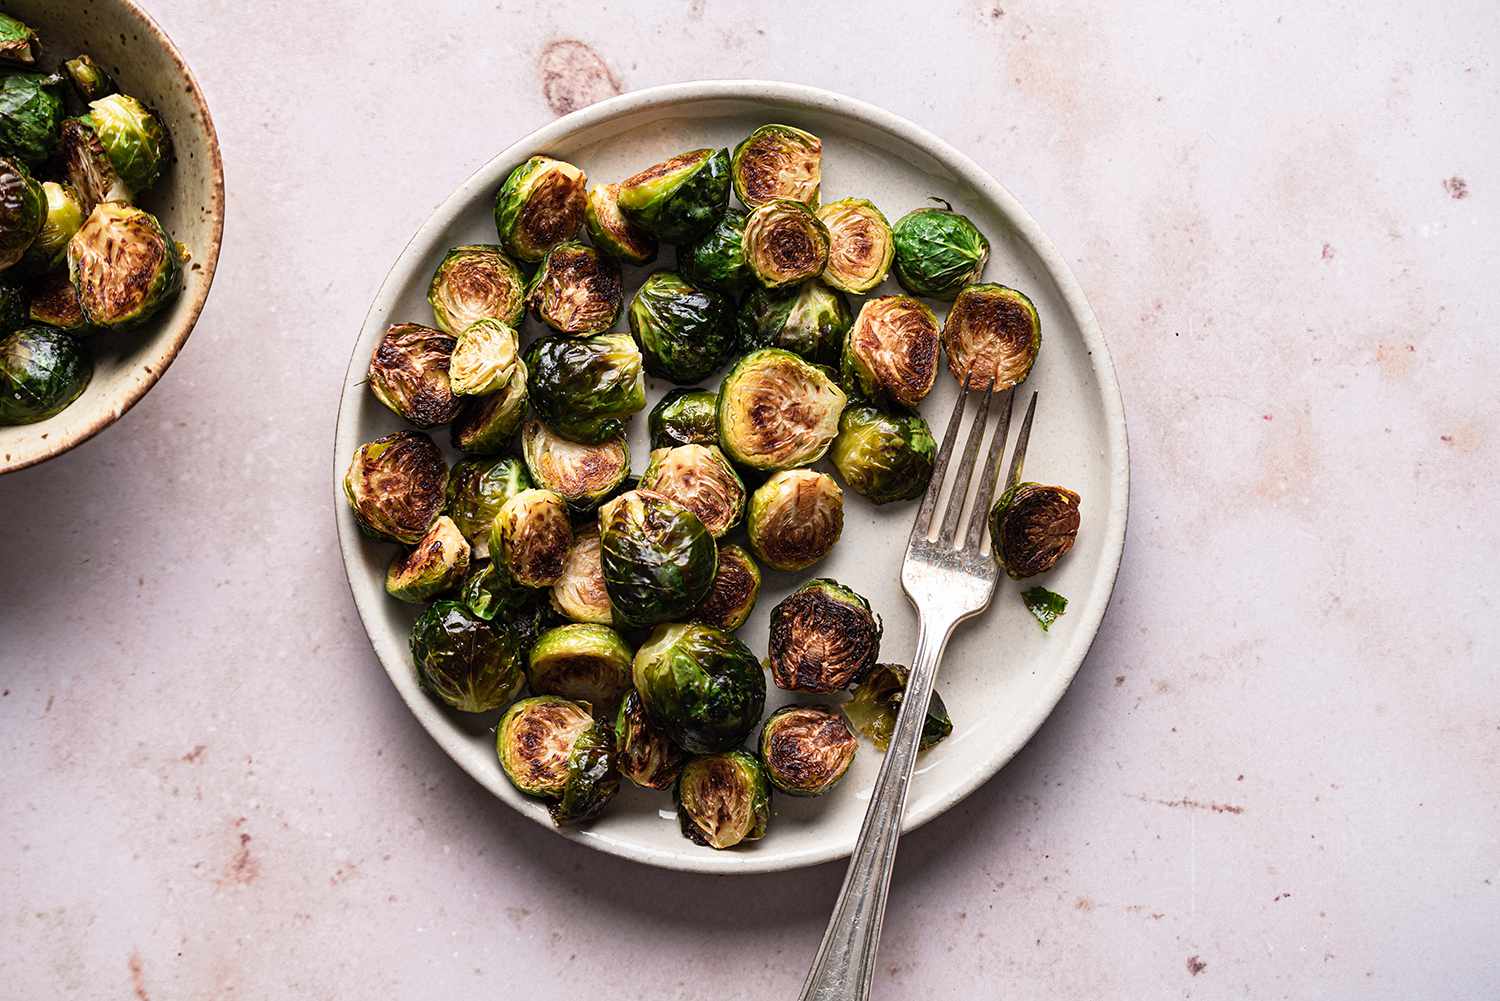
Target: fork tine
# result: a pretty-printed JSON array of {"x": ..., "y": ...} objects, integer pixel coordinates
[
  {"x": 923, "y": 521},
  {"x": 960, "y": 492},
  {"x": 986, "y": 494},
  {"x": 1018, "y": 457}
]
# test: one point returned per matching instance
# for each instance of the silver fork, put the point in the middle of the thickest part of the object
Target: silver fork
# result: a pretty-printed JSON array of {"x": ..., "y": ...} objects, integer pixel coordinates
[{"x": 947, "y": 579}]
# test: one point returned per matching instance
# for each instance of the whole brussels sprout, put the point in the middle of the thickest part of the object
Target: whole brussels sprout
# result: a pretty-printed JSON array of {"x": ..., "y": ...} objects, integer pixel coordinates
[
  {"x": 18, "y": 43},
  {"x": 42, "y": 370},
  {"x": 576, "y": 290},
  {"x": 464, "y": 661},
  {"x": 861, "y": 246},
  {"x": 89, "y": 169},
  {"x": 475, "y": 282},
  {"x": 679, "y": 199},
  {"x": 437, "y": 563},
  {"x": 938, "y": 252},
  {"x": 395, "y": 485},
  {"x": 64, "y": 218},
  {"x": 716, "y": 259},
  {"x": 806, "y": 749},
  {"x": 658, "y": 559},
  {"x": 700, "y": 686},
  {"x": 583, "y": 474},
  {"x": 993, "y": 333},
  {"x": 124, "y": 266},
  {"x": 54, "y": 303},
  {"x": 732, "y": 595},
  {"x": 553, "y": 749},
  {"x": 584, "y": 662},
  {"x": 89, "y": 80},
  {"x": 685, "y": 417},
  {"x": 483, "y": 359},
  {"x": 531, "y": 536},
  {"x": 700, "y": 479},
  {"x": 1032, "y": 526},
  {"x": 723, "y": 800},
  {"x": 612, "y": 233},
  {"x": 477, "y": 490},
  {"x": 810, "y": 320},
  {"x": 685, "y": 333},
  {"x": 23, "y": 210},
  {"x": 877, "y": 703},
  {"x": 778, "y": 162},
  {"x": 785, "y": 244},
  {"x": 580, "y": 595},
  {"x": 539, "y": 206},
  {"x": 776, "y": 411},
  {"x": 409, "y": 374},
  {"x": 795, "y": 518},
  {"x": 645, "y": 755},
  {"x": 31, "y": 113},
  {"x": 485, "y": 425},
  {"x": 891, "y": 352},
  {"x": 133, "y": 138},
  {"x": 823, "y": 638},
  {"x": 585, "y": 387},
  {"x": 885, "y": 457}
]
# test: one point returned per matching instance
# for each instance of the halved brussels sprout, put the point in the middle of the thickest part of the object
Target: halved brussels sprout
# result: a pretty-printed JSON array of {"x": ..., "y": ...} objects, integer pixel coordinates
[
  {"x": 778, "y": 161},
  {"x": 823, "y": 638},
  {"x": 576, "y": 290},
  {"x": 531, "y": 536},
  {"x": 89, "y": 170},
  {"x": 539, "y": 206},
  {"x": 31, "y": 113},
  {"x": 702, "y": 687},
  {"x": 810, "y": 320},
  {"x": 465, "y": 661},
  {"x": 700, "y": 479},
  {"x": 41, "y": 371},
  {"x": 484, "y": 358},
  {"x": 124, "y": 266},
  {"x": 1032, "y": 526},
  {"x": 409, "y": 374},
  {"x": 54, "y": 302},
  {"x": 685, "y": 417},
  {"x": 475, "y": 282},
  {"x": 992, "y": 333},
  {"x": 437, "y": 563},
  {"x": 585, "y": 387},
  {"x": 795, "y": 518},
  {"x": 938, "y": 252},
  {"x": 23, "y": 210},
  {"x": 89, "y": 80},
  {"x": 593, "y": 779},
  {"x": 806, "y": 749},
  {"x": 582, "y": 661},
  {"x": 552, "y": 748},
  {"x": 491, "y": 593},
  {"x": 885, "y": 457},
  {"x": 861, "y": 246},
  {"x": 785, "y": 244},
  {"x": 776, "y": 411},
  {"x": 679, "y": 199},
  {"x": 477, "y": 490},
  {"x": 581, "y": 595},
  {"x": 485, "y": 425},
  {"x": 684, "y": 332},
  {"x": 583, "y": 474},
  {"x": 133, "y": 138},
  {"x": 64, "y": 218},
  {"x": 18, "y": 43},
  {"x": 395, "y": 486},
  {"x": 716, "y": 259},
  {"x": 732, "y": 595},
  {"x": 723, "y": 800},
  {"x": 658, "y": 559},
  {"x": 645, "y": 755},
  {"x": 891, "y": 353},
  {"x": 877, "y": 702},
  {"x": 612, "y": 233}
]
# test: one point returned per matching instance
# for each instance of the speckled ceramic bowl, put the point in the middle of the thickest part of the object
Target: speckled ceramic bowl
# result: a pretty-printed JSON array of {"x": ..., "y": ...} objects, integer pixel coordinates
[{"x": 189, "y": 200}]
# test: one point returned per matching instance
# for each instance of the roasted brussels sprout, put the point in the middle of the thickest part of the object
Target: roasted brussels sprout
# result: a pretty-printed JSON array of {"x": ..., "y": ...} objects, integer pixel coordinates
[
  {"x": 795, "y": 518},
  {"x": 531, "y": 536},
  {"x": 491, "y": 593},
  {"x": 483, "y": 359},
  {"x": 700, "y": 479},
  {"x": 477, "y": 490},
  {"x": 124, "y": 266},
  {"x": 723, "y": 799},
  {"x": 593, "y": 779},
  {"x": 776, "y": 411},
  {"x": 702, "y": 687},
  {"x": 891, "y": 352},
  {"x": 1032, "y": 526},
  {"x": 685, "y": 417},
  {"x": 539, "y": 206},
  {"x": 552, "y": 748},
  {"x": 409, "y": 374},
  {"x": 938, "y": 252},
  {"x": 54, "y": 303},
  {"x": 437, "y": 563},
  {"x": 89, "y": 80},
  {"x": 885, "y": 457},
  {"x": 731, "y": 596},
  {"x": 18, "y": 42},
  {"x": 861, "y": 246},
  {"x": 466, "y": 662},
  {"x": 684, "y": 332},
  {"x": 785, "y": 244},
  {"x": 644, "y": 754},
  {"x": 89, "y": 170},
  {"x": 23, "y": 210},
  {"x": 810, "y": 320},
  {"x": 580, "y": 595},
  {"x": 41, "y": 371},
  {"x": 778, "y": 162},
  {"x": 64, "y": 217},
  {"x": 993, "y": 333},
  {"x": 576, "y": 290},
  {"x": 583, "y": 474},
  {"x": 612, "y": 233},
  {"x": 582, "y": 661},
  {"x": 133, "y": 138},
  {"x": 475, "y": 282},
  {"x": 585, "y": 387},
  {"x": 877, "y": 702},
  {"x": 823, "y": 638},
  {"x": 485, "y": 424},
  {"x": 31, "y": 112},
  {"x": 716, "y": 259},
  {"x": 806, "y": 749},
  {"x": 658, "y": 559},
  {"x": 679, "y": 199},
  {"x": 395, "y": 486}
]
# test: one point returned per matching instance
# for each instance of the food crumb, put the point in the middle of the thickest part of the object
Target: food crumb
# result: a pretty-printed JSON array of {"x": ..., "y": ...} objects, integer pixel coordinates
[
  {"x": 1195, "y": 965},
  {"x": 1456, "y": 187},
  {"x": 1328, "y": 251}
]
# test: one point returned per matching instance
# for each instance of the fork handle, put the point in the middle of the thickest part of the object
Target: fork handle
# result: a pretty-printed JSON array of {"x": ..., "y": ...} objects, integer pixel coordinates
[{"x": 845, "y": 964}]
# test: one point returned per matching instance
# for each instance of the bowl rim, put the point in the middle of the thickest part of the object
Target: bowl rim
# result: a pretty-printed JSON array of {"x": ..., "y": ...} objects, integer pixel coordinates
[{"x": 433, "y": 719}]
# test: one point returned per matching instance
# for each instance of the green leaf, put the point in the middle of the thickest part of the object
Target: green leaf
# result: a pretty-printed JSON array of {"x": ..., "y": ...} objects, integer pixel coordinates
[{"x": 1045, "y": 605}]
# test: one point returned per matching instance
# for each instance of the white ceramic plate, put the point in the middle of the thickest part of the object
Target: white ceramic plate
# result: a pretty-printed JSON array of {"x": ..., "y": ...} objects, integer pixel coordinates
[{"x": 1002, "y": 675}]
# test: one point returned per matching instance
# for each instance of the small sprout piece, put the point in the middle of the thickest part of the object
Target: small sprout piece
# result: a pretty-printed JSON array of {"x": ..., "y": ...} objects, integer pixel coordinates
[
  {"x": 938, "y": 252},
  {"x": 553, "y": 749},
  {"x": 531, "y": 536},
  {"x": 436, "y": 564},
  {"x": 658, "y": 559},
  {"x": 54, "y": 303},
  {"x": 18, "y": 42},
  {"x": 679, "y": 199},
  {"x": 89, "y": 170},
  {"x": 885, "y": 457},
  {"x": 409, "y": 374},
  {"x": 465, "y": 661},
  {"x": 685, "y": 333},
  {"x": 778, "y": 162},
  {"x": 1044, "y": 605},
  {"x": 584, "y": 662},
  {"x": 486, "y": 424},
  {"x": 583, "y": 474},
  {"x": 88, "y": 78},
  {"x": 133, "y": 138},
  {"x": 700, "y": 686},
  {"x": 700, "y": 479},
  {"x": 396, "y": 485},
  {"x": 877, "y": 702},
  {"x": 491, "y": 593},
  {"x": 716, "y": 259},
  {"x": 484, "y": 358},
  {"x": 891, "y": 353},
  {"x": 613, "y": 234},
  {"x": 993, "y": 333},
  {"x": 645, "y": 755},
  {"x": 810, "y": 320},
  {"x": 807, "y": 749},
  {"x": 64, "y": 218},
  {"x": 576, "y": 290},
  {"x": 41, "y": 371},
  {"x": 776, "y": 411},
  {"x": 861, "y": 246},
  {"x": 723, "y": 799},
  {"x": 475, "y": 282},
  {"x": 539, "y": 206},
  {"x": 823, "y": 638},
  {"x": 732, "y": 595},
  {"x": 124, "y": 266},
  {"x": 1032, "y": 526},
  {"x": 785, "y": 244},
  {"x": 23, "y": 210},
  {"x": 685, "y": 417},
  {"x": 584, "y": 388},
  {"x": 31, "y": 114},
  {"x": 580, "y": 595},
  {"x": 795, "y": 518},
  {"x": 477, "y": 490}
]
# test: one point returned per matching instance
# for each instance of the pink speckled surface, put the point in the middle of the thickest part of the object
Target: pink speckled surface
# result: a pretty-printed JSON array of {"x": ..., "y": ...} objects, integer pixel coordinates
[{"x": 1275, "y": 775}]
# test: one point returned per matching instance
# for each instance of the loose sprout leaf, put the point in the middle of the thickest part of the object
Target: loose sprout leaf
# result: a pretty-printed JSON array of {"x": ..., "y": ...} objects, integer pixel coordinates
[
  {"x": 1044, "y": 604},
  {"x": 31, "y": 112}
]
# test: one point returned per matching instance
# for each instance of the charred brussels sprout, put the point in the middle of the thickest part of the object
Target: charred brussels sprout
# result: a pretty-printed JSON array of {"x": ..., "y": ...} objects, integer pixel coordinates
[
  {"x": 64, "y": 217},
  {"x": 716, "y": 259},
  {"x": 731, "y": 596},
  {"x": 584, "y": 662},
  {"x": 993, "y": 333},
  {"x": 645, "y": 755},
  {"x": 723, "y": 800},
  {"x": 576, "y": 290},
  {"x": 1032, "y": 526},
  {"x": 551, "y": 748},
  {"x": 776, "y": 411},
  {"x": 585, "y": 387},
  {"x": 679, "y": 199},
  {"x": 89, "y": 170},
  {"x": 795, "y": 518},
  {"x": 437, "y": 563},
  {"x": 580, "y": 594},
  {"x": 483, "y": 359},
  {"x": 885, "y": 457},
  {"x": 593, "y": 779},
  {"x": 807, "y": 749},
  {"x": 810, "y": 320},
  {"x": 612, "y": 233},
  {"x": 702, "y": 687},
  {"x": 531, "y": 536},
  {"x": 891, "y": 353},
  {"x": 475, "y": 282},
  {"x": 41, "y": 371},
  {"x": 877, "y": 703},
  {"x": 861, "y": 246},
  {"x": 491, "y": 593},
  {"x": 477, "y": 490},
  {"x": 89, "y": 80},
  {"x": 700, "y": 479},
  {"x": 23, "y": 210},
  {"x": 583, "y": 474},
  {"x": 684, "y": 332},
  {"x": 685, "y": 417},
  {"x": 823, "y": 638},
  {"x": 395, "y": 486},
  {"x": 539, "y": 206},
  {"x": 485, "y": 424},
  {"x": 31, "y": 112},
  {"x": 18, "y": 42},
  {"x": 657, "y": 557},
  {"x": 785, "y": 244},
  {"x": 132, "y": 137},
  {"x": 778, "y": 162},
  {"x": 124, "y": 266},
  {"x": 54, "y": 303},
  {"x": 409, "y": 374},
  {"x": 464, "y": 661},
  {"x": 938, "y": 252}
]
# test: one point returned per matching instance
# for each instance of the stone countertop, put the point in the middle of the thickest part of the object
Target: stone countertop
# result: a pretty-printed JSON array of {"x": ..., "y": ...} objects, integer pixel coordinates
[{"x": 1275, "y": 775}]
